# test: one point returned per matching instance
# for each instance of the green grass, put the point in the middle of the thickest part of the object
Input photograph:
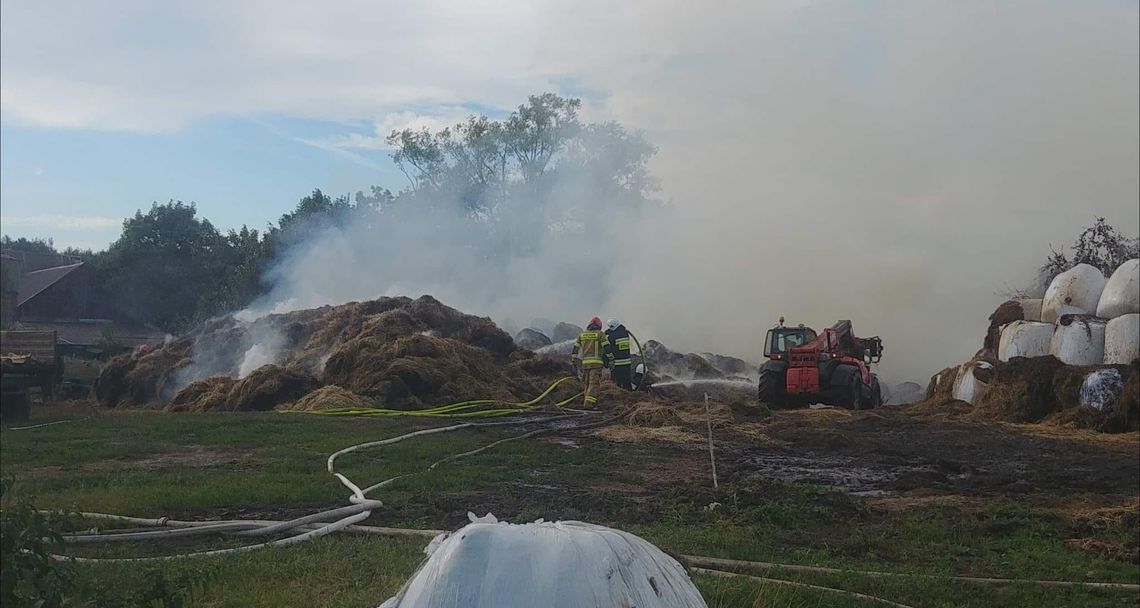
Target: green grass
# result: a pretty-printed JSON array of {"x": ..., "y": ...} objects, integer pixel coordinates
[{"x": 272, "y": 465}]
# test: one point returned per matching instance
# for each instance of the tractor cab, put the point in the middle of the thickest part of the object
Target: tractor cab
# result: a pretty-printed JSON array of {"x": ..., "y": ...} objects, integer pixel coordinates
[{"x": 781, "y": 339}]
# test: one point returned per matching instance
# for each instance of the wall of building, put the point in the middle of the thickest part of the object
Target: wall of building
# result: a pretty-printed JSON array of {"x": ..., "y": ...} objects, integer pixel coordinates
[
  {"x": 10, "y": 271},
  {"x": 64, "y": 299}
]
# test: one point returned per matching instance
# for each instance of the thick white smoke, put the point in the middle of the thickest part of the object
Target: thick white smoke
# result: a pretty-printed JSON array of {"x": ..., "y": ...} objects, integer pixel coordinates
[{"x": 898, "y": 166}]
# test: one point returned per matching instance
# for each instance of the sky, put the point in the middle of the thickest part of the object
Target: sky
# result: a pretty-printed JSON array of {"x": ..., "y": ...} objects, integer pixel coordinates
[{"x": 898, "y": 163}]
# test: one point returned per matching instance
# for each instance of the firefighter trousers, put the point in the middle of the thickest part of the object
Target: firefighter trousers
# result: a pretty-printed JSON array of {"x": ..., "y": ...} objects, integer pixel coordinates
[
  {"x": 591, "y": 379},
  {"x": 621, "y": 376}
]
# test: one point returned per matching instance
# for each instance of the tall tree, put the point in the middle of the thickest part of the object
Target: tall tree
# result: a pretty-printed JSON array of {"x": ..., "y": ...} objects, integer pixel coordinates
[{"x": 168, "y": 267}]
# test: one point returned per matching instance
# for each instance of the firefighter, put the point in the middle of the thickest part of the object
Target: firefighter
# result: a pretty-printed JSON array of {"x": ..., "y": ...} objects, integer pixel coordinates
[
  {"x": 619, "y": 343},
  {"x": 592, "y": 353}
]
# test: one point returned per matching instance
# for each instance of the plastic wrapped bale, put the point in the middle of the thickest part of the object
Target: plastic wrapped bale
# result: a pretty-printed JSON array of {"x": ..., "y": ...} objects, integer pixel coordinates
[
  {"x": 1100, "y": 390},
  {"x": 973, "y": 381},
  {"x": 1025, "y": 339},
  {"x": 554, "y": 565},
  {"x": 1031, "y": 308},
  {"x": 1079, "y": 340},
  {"x": 1073, "y": 292},
  {"x": 1122, "y": 340},
  {"x": 1121, "y": 295}
]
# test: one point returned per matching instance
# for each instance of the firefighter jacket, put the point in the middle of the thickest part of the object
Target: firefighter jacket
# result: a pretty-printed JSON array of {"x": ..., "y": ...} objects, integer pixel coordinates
[
  {"x": 619, "y": 343},
  {"x": 592, "y": 348}
]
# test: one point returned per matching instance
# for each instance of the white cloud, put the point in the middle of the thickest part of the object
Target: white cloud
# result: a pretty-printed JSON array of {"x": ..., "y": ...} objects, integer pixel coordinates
[
  {"x": 155, "y": 68},
  {"x": 439, "y": 118},
  {"x": 62, "y": 222}
]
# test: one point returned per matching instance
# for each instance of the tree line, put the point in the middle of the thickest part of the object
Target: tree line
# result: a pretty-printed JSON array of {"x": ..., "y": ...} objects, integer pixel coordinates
[{"x": 510, "y": 183}]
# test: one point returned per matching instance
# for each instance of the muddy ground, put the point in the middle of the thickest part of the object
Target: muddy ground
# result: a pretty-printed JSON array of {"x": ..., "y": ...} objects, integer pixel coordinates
[{"x": 894, "y": 457}]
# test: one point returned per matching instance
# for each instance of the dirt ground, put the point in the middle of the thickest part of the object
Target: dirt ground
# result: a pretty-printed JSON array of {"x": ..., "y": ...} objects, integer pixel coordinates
[{"x": 891, "y": 458}]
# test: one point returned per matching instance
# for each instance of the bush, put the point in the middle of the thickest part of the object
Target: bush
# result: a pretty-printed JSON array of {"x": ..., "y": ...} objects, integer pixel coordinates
[{"x": 29, "y": 576}]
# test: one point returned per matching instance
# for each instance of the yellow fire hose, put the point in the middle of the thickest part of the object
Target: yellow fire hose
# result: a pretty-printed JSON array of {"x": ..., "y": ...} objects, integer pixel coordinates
[{"x": 463, "y": 409}]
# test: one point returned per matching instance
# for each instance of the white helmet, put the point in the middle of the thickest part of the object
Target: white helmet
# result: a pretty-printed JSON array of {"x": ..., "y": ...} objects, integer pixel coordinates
[{"x": 612, "y": 324}]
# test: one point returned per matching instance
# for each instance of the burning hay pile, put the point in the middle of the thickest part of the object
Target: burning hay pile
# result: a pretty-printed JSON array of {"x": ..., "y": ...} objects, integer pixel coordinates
[{"x": 389, "y": 352}]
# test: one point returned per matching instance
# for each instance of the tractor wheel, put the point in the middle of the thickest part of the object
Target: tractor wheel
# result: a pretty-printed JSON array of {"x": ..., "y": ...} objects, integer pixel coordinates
[
  {"x": 876, "y": 398},
  {"x": 852, "y": 396},
  {"x": 772, "y": 390}
]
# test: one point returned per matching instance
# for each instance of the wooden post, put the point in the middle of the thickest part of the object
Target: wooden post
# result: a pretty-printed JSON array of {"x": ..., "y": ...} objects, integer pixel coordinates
[{"x": 712, "y": 457}]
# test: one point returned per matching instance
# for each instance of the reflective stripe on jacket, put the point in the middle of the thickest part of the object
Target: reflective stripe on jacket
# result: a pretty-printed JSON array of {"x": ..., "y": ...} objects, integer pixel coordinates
[
  {"x": 619, "y": 342},
  {"x": 592, "y": 348}
]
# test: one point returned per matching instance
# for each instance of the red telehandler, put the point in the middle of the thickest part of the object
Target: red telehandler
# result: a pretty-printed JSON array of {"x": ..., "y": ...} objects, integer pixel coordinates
[{"x": 804, "y": 367}]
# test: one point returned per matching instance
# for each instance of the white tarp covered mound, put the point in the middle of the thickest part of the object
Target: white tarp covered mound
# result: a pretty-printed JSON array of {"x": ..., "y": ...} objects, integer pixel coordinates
[
  {"x": 967, "y": 386},
  {"x": 1121, "y": 295},
  {"x": 1025, "y": 339},
  {"x": 1122, "y": 340},
  {"x": 1101, "y": 388},
  {"x": 1079, "y": 340},
  {"x": 1073, "y": 292},
  {"x": 1031, "y": 308},
  {"x": 566, "y": 564}
]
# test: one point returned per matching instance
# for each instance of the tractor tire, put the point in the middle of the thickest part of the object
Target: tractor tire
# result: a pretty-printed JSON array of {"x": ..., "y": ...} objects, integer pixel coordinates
[
  {"x": 852, "y": 395},
  {"x": 876, "y": 397},
  {"x": 772, "y": 390}
]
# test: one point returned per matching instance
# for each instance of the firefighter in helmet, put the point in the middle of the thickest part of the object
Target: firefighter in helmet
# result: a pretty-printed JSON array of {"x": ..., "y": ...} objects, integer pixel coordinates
[
  {"x": 592, "y": 353},
  {"x": 618, "y": 336}
]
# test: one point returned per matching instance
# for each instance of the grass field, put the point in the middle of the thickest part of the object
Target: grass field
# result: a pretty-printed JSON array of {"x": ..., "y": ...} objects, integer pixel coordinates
[{"x": 272, "y": 466}]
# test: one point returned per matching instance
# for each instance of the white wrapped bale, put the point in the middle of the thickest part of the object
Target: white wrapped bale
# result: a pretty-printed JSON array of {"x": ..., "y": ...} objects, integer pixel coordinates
[
  {"x": 1122, "y": 340},
  {"x": 1073, "y": 292},
  {"x": 1101, "y": 389},
  {"x": 968, "y": 386},
  {"x": 1031, "y": 307},
  {"x": 1079, "y": 340},
  {"x": 1121, "y": 295},
  {"x": 1025, "y": 339},
  {"x": 557, "y": 565}
]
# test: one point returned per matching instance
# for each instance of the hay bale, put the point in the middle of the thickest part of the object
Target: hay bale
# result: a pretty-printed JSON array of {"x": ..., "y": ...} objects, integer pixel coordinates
[
  {"x": 1127, "y": 413},
  {"x": 689, "y": 366},
  {"x": 532, "y": 339},
  {"x": 417, "y": 370},
  {"x": 731, "y": 366},
  {"x": 110, "y": 385},
  {"x": 202, "y": 395},
  {"x": 565, "y": 331},
  {"x": 268, "y": 387},
  {"x": 1021, "y": 391},
  {"x": 1031, "y": 390},
  {"x": 128, "y": 380},
  {"x": 1007, "y": 312},
  {"x": 329, "y": 397},
  {"x": 941, "y": 385}
]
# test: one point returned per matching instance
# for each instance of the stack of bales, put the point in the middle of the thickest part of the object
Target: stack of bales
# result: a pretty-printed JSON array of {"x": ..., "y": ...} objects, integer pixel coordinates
[{"x": 1082, "y": 320}]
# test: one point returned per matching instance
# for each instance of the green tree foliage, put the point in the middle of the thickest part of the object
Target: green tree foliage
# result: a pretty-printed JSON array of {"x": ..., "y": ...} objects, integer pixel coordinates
[
  {"x": 29, "y": 576},
  {"x": 1099, "y": 245},
  {"x": 30, "y": 245},
  {"x": 168, "y": 267},
  {"x": 539, "y": 169},
  {"x": 537, "y": 175}
]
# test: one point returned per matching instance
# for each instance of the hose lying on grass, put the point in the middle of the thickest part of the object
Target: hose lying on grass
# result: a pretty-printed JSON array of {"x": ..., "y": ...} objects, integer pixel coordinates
[
  {"x": 344, "y": 517},
  {"x": 463, "y": 409},
  {"x": 347, "y": 517}
]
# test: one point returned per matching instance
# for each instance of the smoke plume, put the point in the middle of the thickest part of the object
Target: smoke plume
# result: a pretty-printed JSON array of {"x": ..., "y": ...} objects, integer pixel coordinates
[{"x": 898, "y": 166}]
